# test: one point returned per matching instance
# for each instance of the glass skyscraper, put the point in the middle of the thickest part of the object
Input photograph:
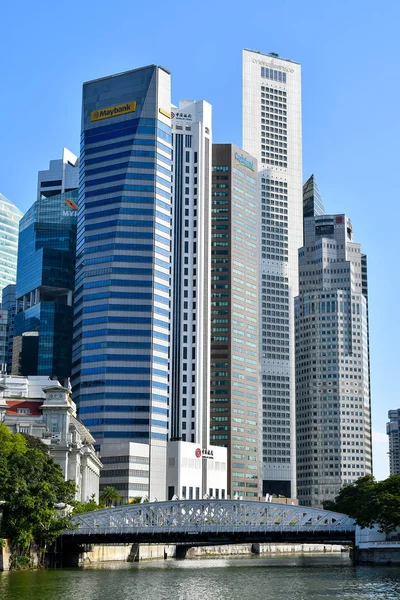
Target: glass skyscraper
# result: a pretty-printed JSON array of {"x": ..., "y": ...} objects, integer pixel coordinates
[
  {"x": 122, "y": 312},
  {"x": 10, "y": 217},
  {"x": 45, "y": 283}
]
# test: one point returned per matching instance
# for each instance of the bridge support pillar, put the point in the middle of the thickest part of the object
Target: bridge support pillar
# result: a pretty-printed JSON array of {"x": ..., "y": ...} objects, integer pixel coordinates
[
  {"x": 181, "y": 551},
  {"x": 134, "y": 555}
]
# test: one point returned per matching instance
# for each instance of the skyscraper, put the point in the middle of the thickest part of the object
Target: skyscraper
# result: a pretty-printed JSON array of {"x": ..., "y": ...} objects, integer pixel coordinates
[
  {"x": 393, "y": 431},
  {"x": 122, "y": 314},
  {"x": 46, "y": 274},
  {"x": 235, "y": 376},
  {"x": 312, "y": 201},
  {"x": 8, "y": 302},
  {"x": 272, "y": 133},
  {"x": 332, "y": 361},
  {"x": 10, "y": 217},
  {"x": 190, "y": 331},
  {"x": 194, "y": 468}
]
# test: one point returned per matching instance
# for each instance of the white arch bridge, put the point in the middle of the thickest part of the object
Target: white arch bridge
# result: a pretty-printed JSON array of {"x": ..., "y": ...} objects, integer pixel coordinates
[{"x": 197, "y": 522}]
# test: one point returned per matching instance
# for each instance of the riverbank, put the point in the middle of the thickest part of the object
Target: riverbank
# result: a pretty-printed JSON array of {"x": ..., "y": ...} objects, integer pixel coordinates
[{"x": 279, "y": 576}]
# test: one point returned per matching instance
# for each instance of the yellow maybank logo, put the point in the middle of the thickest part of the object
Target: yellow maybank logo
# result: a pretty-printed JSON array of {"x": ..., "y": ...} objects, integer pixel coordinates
[{"x": 113, "y": 111}]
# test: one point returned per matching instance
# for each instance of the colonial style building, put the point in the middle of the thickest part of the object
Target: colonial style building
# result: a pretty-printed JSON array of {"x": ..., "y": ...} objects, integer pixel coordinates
[{"x": 43, "y": 409}]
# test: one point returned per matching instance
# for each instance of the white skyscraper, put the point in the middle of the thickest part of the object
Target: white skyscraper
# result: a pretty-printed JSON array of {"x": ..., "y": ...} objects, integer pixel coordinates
[
  {"x": 190, "y": 377},
  {"x": 191, "y": 462},
  {"x": 272, "y": 133}
]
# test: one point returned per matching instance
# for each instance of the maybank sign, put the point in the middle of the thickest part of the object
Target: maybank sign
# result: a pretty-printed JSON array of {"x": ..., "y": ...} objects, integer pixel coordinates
[
  {"x": 113, "y": 111},
  {"x": 244, "y": 161}
]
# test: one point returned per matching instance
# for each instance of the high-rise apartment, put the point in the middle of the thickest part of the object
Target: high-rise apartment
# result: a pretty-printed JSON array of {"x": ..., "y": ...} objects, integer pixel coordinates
[
  {"x": 272, "y": 133},
  {"x": 10, "y": 217},
  {"x": 46, "y": 274},
  {"x": 122, "y": 313},
  {"x": 235, "y": 384},
  {"x": 332, "y": 361},
  {"x": 393, "y": 431},
  {"x": 194, "y": 468}
]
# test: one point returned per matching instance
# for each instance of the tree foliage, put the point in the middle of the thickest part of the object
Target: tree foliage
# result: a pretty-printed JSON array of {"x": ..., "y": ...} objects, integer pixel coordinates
[
  {"x": 90, "y": 505},
  {"x": 370, "y": 502},
  {"x": 31, "y": 484},
  {"x": 109, "y": 496}
]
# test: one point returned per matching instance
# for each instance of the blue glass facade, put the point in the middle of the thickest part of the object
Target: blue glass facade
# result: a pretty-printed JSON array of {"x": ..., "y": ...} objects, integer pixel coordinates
[
  {"x": 10, "y": 216},
  {"x": 122, "y": 314},
  {"x": 45, "y": 281}
]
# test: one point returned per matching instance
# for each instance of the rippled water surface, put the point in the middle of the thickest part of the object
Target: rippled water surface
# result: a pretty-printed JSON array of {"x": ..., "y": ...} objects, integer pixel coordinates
[{"x": 272, "y": 578}]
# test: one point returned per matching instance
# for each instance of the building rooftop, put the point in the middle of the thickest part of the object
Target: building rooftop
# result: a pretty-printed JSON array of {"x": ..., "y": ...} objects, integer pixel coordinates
[
  {"x": 126, "y": 72},
  {"x": 270, "y": 55}
]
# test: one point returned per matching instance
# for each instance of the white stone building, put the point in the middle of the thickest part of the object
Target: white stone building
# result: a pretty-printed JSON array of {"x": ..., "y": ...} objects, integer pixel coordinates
[
  {"x": 272, "y": 132},
  {"x": 189, "y": 475},
  {"x": 43, "y": 409}
]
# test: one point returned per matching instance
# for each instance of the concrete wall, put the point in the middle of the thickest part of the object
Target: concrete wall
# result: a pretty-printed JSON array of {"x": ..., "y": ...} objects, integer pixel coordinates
[
  {"x": 228, "y": 550},
  {"x": 272, "y": 548},
  {"x": 106, "y": 553},
  {"x": 5, "y": 556}
]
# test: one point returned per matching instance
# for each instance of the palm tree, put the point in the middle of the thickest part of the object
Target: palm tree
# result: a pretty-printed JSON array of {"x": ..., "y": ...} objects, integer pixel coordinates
[{"x": 109, "y": 495}]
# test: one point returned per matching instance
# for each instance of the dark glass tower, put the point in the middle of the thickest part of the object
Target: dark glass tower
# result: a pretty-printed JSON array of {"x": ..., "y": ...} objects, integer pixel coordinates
[{"x": 45, "y": 277}]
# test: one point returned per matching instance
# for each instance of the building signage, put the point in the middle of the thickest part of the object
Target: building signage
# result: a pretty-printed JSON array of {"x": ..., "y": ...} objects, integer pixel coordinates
[
  {"x": 72, "y": 206},
  {"x": 204, "y": 453},
  {"x": 181, "y": 116},
  {"x": 113, "y": 111},
  {"x": 272, "y": 65},
  {"x": 165, "y": 113},
  {"x": 245, "y": 162}
]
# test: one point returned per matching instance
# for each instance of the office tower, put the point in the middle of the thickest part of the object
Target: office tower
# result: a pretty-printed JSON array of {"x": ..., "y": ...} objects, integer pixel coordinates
[
  {"x": 3, "y": 339},
  {"x": 332, "y": 361},
  {"x": 393, "y": 431},
  {"x": 235, "y": 377},
  {"x": 272, "y": 133},
  {"x": 194, "y": 469},
  {"x": 46, "y": 273},
  {"x": 10, "y": 217},
  {"x": 122, "y": 314},
  {"x": 312, "y": 201},
  {"x": 9, "y": 303}
]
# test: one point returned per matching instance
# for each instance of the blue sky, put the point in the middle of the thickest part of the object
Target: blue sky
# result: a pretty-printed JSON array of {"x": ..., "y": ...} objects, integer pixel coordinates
[{"x": 349, "y": 53}]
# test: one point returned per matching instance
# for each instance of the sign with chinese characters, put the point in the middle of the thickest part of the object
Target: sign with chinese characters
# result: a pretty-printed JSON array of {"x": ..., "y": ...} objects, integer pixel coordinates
[
  {"x": 204, "y": 453},
  {"x": 181, "y": 116}
]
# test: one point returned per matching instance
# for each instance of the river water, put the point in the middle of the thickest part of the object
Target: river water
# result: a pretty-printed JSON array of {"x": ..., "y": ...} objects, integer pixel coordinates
[{"x": 299, "y": 577}]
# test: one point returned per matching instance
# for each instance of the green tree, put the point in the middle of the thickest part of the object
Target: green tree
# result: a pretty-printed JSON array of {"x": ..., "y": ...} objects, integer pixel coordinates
[
  {"x": 370, "y": 502},
  {"x": 109, "y": 496},
  {"x": 31, "y": 484},
  {"x": 82, "y": 507},
  {"x": 11, "y": 442}
]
